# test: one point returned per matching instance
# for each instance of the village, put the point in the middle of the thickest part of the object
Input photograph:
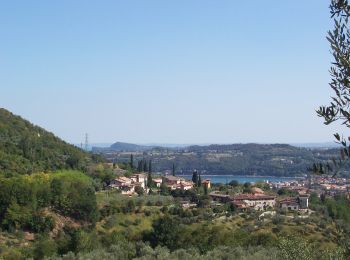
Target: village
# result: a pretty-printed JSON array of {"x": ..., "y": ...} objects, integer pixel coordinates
[
  {"x": 130, "y": 185},
  {"x": 257, "y": 199},
  {"x": 288, "y": 196}
]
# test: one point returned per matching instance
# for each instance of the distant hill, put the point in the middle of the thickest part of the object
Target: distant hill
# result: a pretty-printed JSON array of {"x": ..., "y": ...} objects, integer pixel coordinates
[
  {"x": 26, "y": 148},
  {"x": 120, "y": 147},
  {"x": 129, "y": 147},
  {"x": 235, "y": 159},
  {"x": 326, "y": 145}
]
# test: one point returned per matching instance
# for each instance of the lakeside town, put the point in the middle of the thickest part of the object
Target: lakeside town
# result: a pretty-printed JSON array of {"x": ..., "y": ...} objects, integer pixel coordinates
[{"x": 260, "y": 196}]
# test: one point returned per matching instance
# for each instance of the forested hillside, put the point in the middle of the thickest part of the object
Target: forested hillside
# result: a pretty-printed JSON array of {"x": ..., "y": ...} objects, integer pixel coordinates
[
  {"x": 235, "y": 159},
  {"x": 26, "y": 148}
]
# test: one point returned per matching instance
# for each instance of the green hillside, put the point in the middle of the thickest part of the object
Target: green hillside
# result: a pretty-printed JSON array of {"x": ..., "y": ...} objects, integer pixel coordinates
[{"x": 26, "y": 148}]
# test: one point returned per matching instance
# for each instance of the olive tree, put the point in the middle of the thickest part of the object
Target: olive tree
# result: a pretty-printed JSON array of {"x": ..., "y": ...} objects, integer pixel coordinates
[{"x": 339, "y": 107}]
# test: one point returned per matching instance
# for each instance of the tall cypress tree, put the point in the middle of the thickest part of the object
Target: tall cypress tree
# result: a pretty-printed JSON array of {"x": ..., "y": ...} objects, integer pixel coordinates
[
  {"x": 173, "y": 169},
  {"x": 150, "y": 166},
  {"x": 195, "y": 177},
  {"x": 199, "y": 183},
  {"x": 132, "y": 161},
  {"x": 145, "y": 168},
  {"x": 205, "y": 190},
  {"x": 139, "y": 166},
  {"x": 149, "y": 180},
  {"x": 163, "y": 188}
]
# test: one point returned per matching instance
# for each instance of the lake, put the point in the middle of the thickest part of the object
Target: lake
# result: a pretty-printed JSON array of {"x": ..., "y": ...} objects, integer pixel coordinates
[{"x": 241, "y": 179}]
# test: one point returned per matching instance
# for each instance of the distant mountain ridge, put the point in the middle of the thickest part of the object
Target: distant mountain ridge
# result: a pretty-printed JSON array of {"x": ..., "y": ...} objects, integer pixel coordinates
[
  {"x": 26, "y": 148},
  {"x": 133, "y": 147},
  {"x": 317, "y": 145},
  {"x": 229, "y": 159},
  {"x": 128, "y": 147}
]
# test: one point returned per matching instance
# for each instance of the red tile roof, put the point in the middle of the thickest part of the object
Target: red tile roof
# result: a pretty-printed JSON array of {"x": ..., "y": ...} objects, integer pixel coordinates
[{"x": 253, "y": 197}]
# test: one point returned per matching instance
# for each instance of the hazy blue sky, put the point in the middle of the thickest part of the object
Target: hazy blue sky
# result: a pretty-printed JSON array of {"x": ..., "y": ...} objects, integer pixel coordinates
[{"x": 184, "y": 71}]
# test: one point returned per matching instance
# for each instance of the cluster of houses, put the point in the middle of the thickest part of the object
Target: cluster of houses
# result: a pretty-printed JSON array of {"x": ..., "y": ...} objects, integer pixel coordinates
[
  {"x": 299, "y": 186},
  {"x": 127, "y": 185},
  {"x": 174, "y": 183},
  {"x": 261, "y": 201},
  {"x": 256, "y": 200},
  {"x": 317, "y": 184}
]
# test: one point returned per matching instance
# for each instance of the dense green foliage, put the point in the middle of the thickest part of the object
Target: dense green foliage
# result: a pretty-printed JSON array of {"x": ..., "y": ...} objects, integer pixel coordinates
[
  {"x": 153, "y": 227},
  {"x": 337, "y": 208},
  {"x": 73, "y": 195},
  {"x": 287, "y": 249},
  {"x": 24, "y": 200},
  {"x": 25, "y": 148},
  {"x": 158, "y": 227}
]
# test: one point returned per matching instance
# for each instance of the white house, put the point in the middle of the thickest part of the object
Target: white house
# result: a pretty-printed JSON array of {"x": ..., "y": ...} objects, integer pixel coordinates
[
  {"x": 124, "y": 184},
  {"x": 158, "y": 182},
  {"x": 140, "y": 179},
  {"x": 256, "y": 201}
]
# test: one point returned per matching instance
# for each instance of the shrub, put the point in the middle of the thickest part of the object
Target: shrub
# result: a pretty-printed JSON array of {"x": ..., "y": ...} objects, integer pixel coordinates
[{"x": 44, "y": 247}]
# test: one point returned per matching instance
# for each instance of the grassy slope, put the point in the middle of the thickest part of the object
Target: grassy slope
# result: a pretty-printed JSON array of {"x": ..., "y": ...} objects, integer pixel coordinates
[{"x": 136, "y": 223}]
